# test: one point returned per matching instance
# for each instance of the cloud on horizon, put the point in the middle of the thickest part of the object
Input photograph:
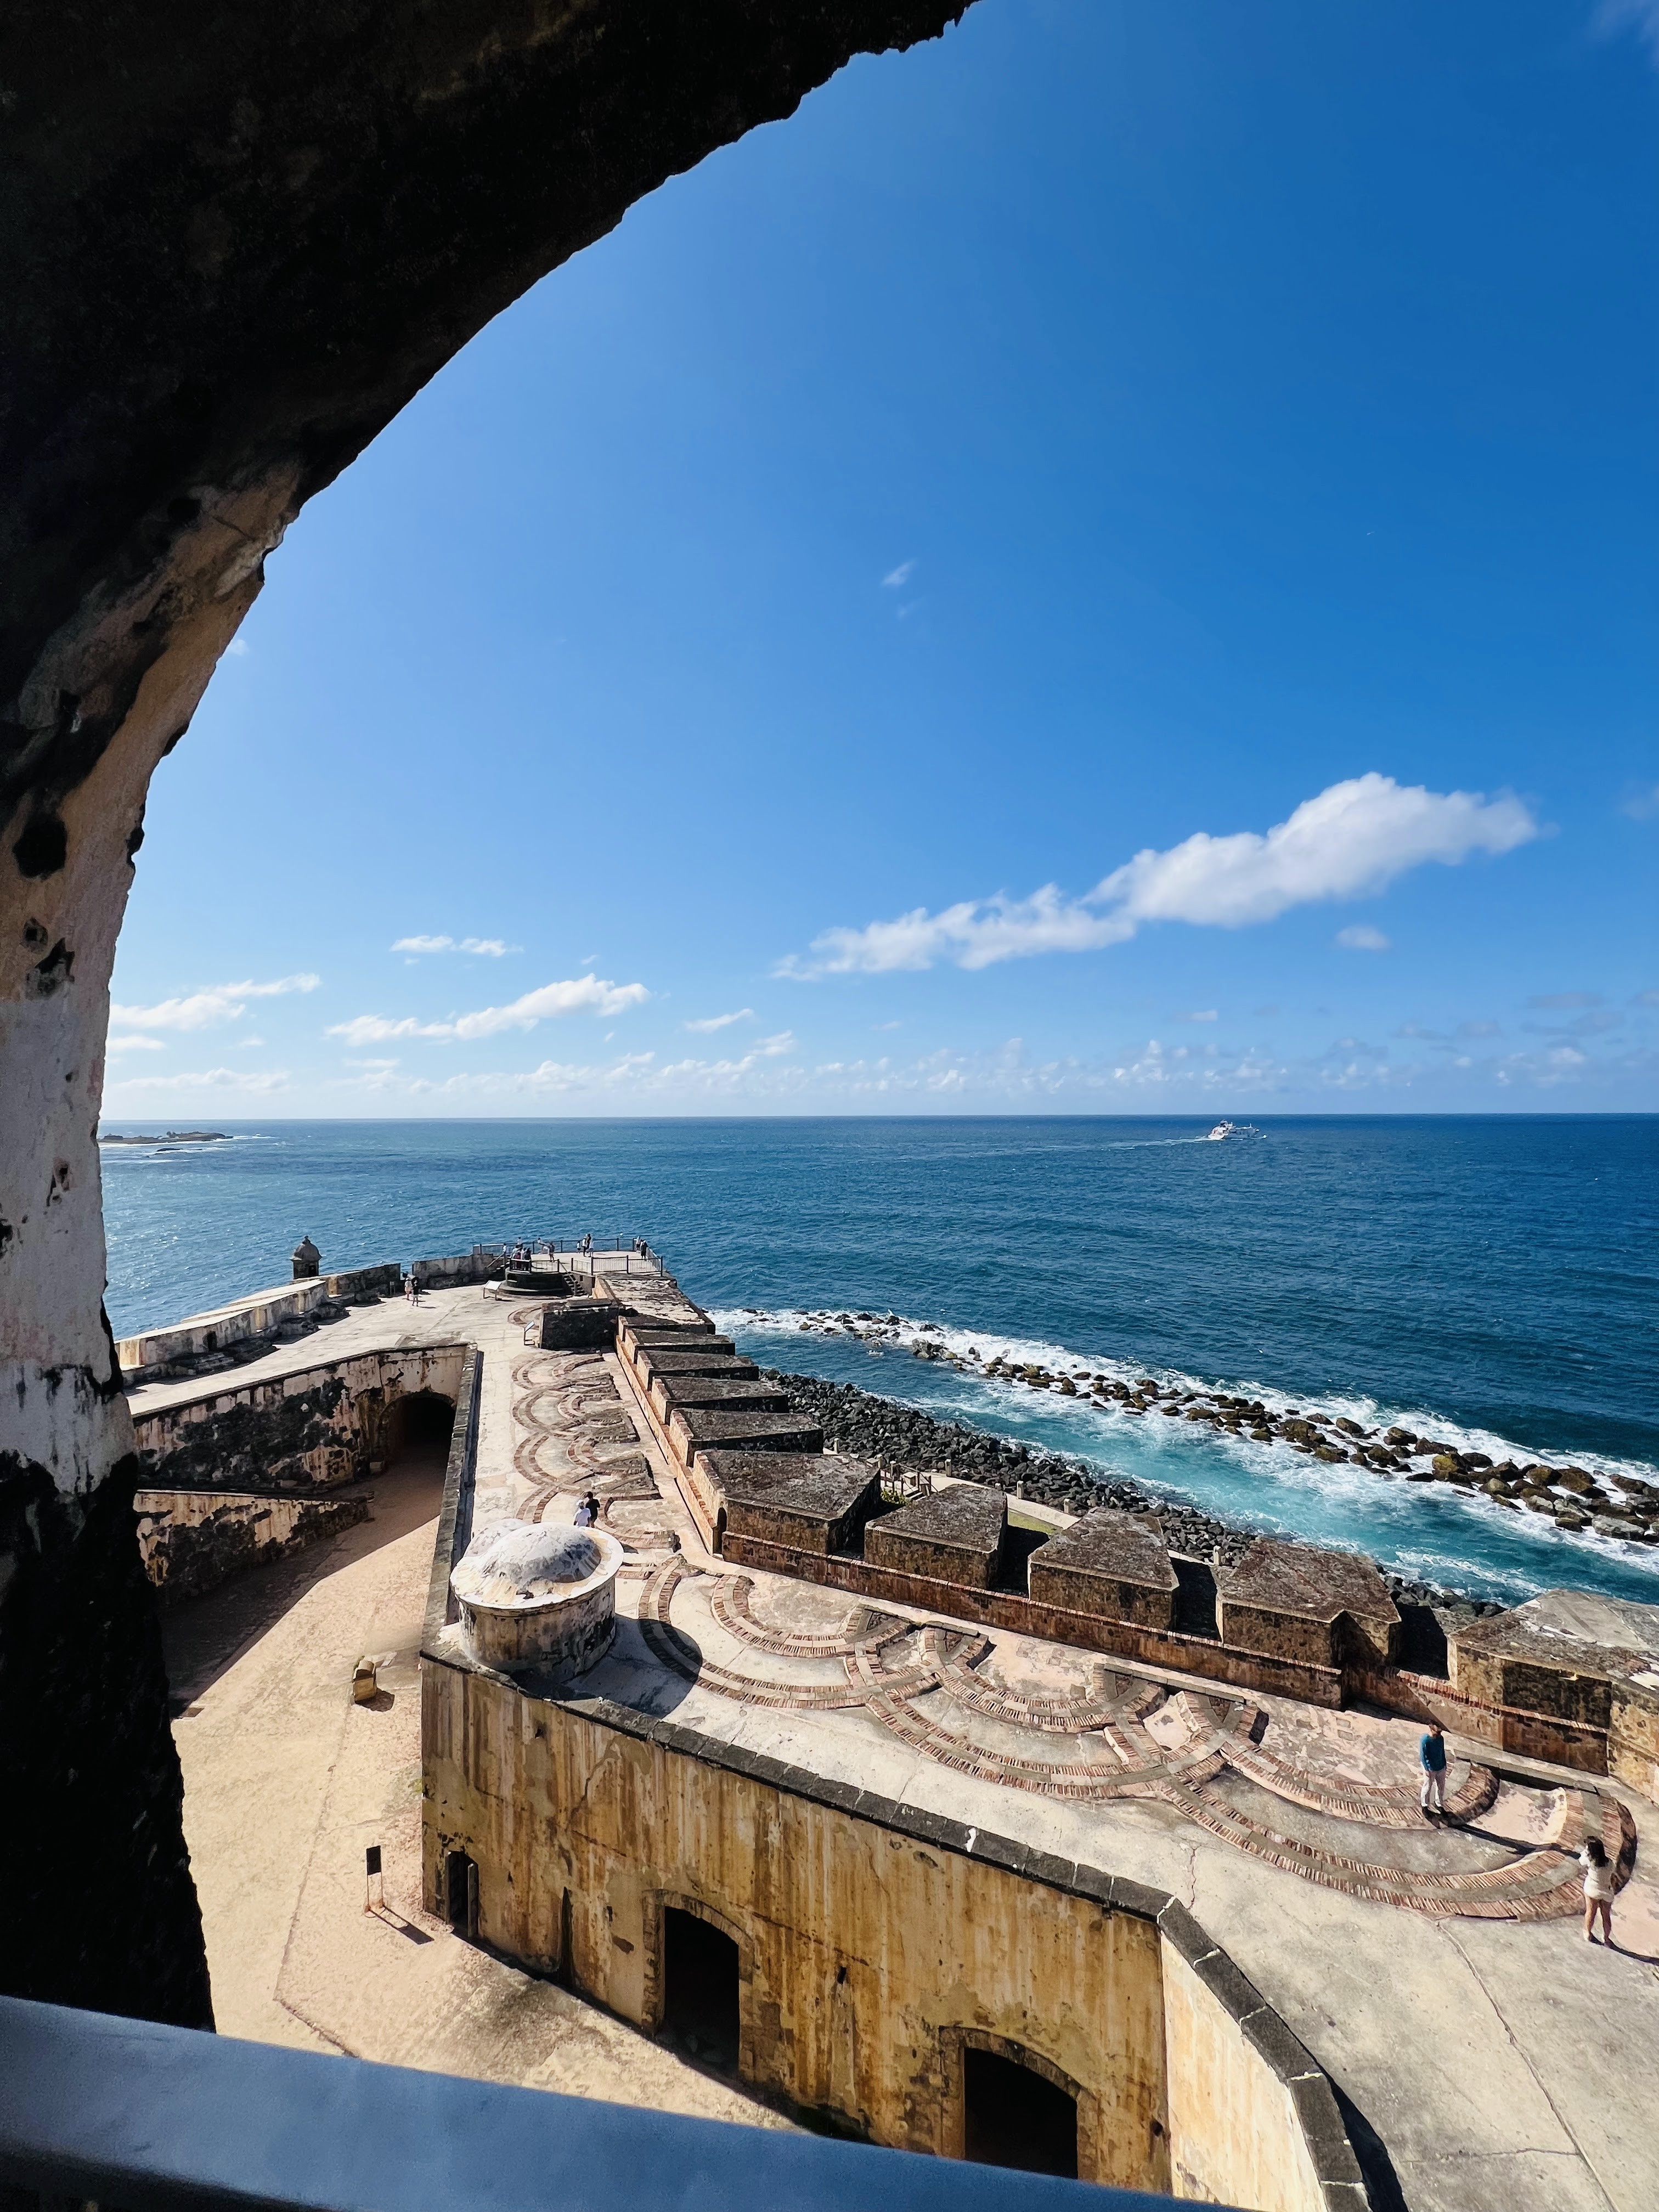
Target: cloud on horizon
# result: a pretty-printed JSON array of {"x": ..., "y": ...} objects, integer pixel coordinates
[
  {"x": 220, "y": 1002},
  {"x": 580, "y": 994},
  {"x": 493, "y": 948},
  {"x": 1351, "y": 841}
]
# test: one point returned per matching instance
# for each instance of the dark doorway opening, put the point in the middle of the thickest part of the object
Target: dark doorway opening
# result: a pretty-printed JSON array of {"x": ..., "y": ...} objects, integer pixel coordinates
[
  {"x": 700, "y": 1989},
  {"x": 419, "y": 1425},
  {"x": 1013, "y": 2116},
  {"x": 461, "y": 1894}
]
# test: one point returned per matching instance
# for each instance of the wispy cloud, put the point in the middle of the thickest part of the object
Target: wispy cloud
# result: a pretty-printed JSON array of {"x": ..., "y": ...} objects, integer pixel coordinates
[
  {"x": 1360, "y": 937},
  {"x": 1349, "y": 842},
  {"x": 1643, "y": 805},
  {"x": 492, "y": 948},
  {"x": 580, "y": 994},
  {"x": 1202, "y": 1014},
  {"x": 239, "y": 646},
  {"x": 251, "y": 1081},
  {"x": 1564, "y": 1002},
  {"x": 896, "y": 578},
  {"x": 713, "y": 1022},
  {"x": 136, "y": 1044},
  {"x": 220, "y": 1002},
  {"x": 1639, "y": 16}
]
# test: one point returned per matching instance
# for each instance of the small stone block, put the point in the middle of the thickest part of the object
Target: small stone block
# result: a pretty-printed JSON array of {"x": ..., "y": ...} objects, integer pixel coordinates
[
  {"x": 1058, "y": 1873},
  {"x": 1323, "y": 2126},
  {"x": 1191, "y": 1941},
  {"x": 1135, "y": 1897},
  {"x": 1226, "y": 1982},
  {"x": 1286, "y": 2053}
]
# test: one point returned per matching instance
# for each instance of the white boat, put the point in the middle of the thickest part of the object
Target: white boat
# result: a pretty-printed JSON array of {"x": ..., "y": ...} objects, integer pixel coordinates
[{"x": 1222, "y": 1129}]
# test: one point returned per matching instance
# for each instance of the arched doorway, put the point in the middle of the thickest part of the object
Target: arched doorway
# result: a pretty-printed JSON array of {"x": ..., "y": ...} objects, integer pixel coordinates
[
  {"x": 700, "y": 1995},
  {"x": 419, "y": 1428},
  {"x": 1013, "y": 2115}
]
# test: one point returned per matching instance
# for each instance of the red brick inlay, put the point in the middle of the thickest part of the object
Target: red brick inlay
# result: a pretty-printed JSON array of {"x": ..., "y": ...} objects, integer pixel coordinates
[{"x": 908, "y": 1677}]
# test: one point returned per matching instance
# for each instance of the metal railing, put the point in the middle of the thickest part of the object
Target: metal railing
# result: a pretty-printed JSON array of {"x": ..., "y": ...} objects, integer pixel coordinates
[{"x": 121, "y": 2112}]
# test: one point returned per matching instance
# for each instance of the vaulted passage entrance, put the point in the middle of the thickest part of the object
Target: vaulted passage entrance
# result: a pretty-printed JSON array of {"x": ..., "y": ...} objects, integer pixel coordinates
[
  {"x": 419, "y": 1426},
  {"x": 1013, "y": 2116},
  {"x": 700, "y": 1989}
]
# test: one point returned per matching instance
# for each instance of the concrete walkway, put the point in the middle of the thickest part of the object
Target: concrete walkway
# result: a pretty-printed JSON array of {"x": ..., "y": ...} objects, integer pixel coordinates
[{"x": 285, "y": 1781}]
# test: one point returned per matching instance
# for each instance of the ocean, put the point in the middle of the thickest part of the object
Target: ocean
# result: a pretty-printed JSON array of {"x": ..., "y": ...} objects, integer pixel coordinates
[{"x": 1493, "y": 1282}]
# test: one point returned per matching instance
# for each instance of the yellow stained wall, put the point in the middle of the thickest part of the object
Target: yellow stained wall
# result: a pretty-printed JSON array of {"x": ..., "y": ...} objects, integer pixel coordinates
[
  {"x": 868, "y": 1960},
  {"x": 1234, "y": 2134}
]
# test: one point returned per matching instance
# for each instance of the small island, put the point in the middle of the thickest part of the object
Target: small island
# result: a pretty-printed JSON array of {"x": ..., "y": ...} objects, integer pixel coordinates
[{"x": 171, "y": 1137}]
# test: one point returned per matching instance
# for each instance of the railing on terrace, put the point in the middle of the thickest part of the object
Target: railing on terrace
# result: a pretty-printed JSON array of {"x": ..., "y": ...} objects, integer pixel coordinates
[{"x": 121, "y": 2113}]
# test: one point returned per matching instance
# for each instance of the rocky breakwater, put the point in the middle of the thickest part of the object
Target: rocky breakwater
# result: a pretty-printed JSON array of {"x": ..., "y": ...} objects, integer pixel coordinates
[
  {"x": 900, "y": 1440},
  {"x": 1578, "y": 1499}
]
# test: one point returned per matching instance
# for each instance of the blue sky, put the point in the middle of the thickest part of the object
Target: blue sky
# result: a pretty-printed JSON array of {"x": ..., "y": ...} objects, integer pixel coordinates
[{"x": 1106, "y": 565}]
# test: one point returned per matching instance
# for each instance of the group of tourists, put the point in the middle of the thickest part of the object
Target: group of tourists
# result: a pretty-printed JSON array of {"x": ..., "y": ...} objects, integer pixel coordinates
[{"x": 1593, "y": 1856}]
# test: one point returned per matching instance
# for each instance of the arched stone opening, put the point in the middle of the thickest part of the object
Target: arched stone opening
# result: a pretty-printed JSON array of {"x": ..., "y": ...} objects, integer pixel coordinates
[
  {"x": 238, "y": 242},
  {"x": 418, "y": 1427},
  {"x": 699, "y": 1967},
  {"x": 1008, "y": 2105}
]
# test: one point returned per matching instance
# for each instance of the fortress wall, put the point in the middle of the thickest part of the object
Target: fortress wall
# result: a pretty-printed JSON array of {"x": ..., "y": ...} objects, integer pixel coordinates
[
  {"x": 868, "y": 1957},
  {"x": 876, "y": 1943},
  {"x": 314, "y": 1429},
  {"x": 192, "y": 1540},
  {"x": 1236, "y": 2134}
]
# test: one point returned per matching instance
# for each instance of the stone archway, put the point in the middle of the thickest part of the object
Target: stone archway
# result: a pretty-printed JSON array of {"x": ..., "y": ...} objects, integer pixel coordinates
[{"x": 238, "y": 240}]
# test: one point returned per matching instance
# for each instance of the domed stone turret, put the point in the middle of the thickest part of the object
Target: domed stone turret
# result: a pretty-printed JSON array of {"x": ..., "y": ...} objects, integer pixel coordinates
[
  {"x": 535, "y": 1594},
  {"x": 526, "y": 1559},
  {"x": 306, "y": 1260}
]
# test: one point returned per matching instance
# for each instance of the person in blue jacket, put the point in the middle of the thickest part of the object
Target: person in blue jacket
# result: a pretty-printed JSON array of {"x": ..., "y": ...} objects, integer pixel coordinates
[{"x": 1431, "y": 1751}]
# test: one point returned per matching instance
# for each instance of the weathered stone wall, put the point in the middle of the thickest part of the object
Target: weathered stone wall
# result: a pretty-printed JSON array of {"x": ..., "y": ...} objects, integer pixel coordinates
[
  {"x": 245, "y": 1323},
  {"x": 311, "y": 1429},
  {"x": 876, "y": 1943},
  {"x": 860, "y": 1948},
  {"x": 1236, "y": 2136},
  {"x": 192, "y": 1540}
]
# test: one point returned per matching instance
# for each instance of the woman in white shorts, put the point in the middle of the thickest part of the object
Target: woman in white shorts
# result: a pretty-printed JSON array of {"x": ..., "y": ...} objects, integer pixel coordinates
[{"x": 1598, "y": 1887}]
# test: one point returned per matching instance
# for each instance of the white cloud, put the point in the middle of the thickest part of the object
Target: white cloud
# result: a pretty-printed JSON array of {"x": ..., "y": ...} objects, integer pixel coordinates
[
  {"x": 1360, "y": 937},
  {"x": 1349, "y": 842},
  {"x": 239, "y": 646},
  {"x": 581, "y": 994},
  {"x": 1205, "y": 1014},
  {"x": 492, "y": 948},
  {"x": 220, "y": 1002},
  {"x": 135, "y": 1044},
  {"x": 210, "y": 1079},
  {"x": 896, "y": 578},
  {"x": 713, "y": 1022},
  {"x": 1565, "y": 1002},
  {"x": 1643, "y": 805}
]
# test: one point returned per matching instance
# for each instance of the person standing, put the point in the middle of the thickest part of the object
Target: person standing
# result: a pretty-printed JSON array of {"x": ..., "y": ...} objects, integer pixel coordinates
[
  {"x": 1431, "y": 1752},
  {"x": 1598, "y": 1887}
]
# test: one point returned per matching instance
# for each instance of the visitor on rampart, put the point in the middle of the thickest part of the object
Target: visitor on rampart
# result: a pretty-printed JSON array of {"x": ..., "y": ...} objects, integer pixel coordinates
[
  {"x": 1598, "y": 1887},
  {"x": 1431, "y": 1751}
]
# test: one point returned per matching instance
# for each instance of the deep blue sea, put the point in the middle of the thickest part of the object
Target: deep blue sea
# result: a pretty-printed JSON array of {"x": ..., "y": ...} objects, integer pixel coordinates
[{"x": 1493, "y": 1282}]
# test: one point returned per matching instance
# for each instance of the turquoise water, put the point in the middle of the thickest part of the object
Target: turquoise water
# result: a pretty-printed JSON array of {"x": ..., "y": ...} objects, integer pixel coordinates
[{"x": 1493, "y": 1281}]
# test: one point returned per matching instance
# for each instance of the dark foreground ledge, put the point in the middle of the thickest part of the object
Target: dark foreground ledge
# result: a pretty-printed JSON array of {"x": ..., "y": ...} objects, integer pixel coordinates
[{"x": 124, "y": 2112}]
